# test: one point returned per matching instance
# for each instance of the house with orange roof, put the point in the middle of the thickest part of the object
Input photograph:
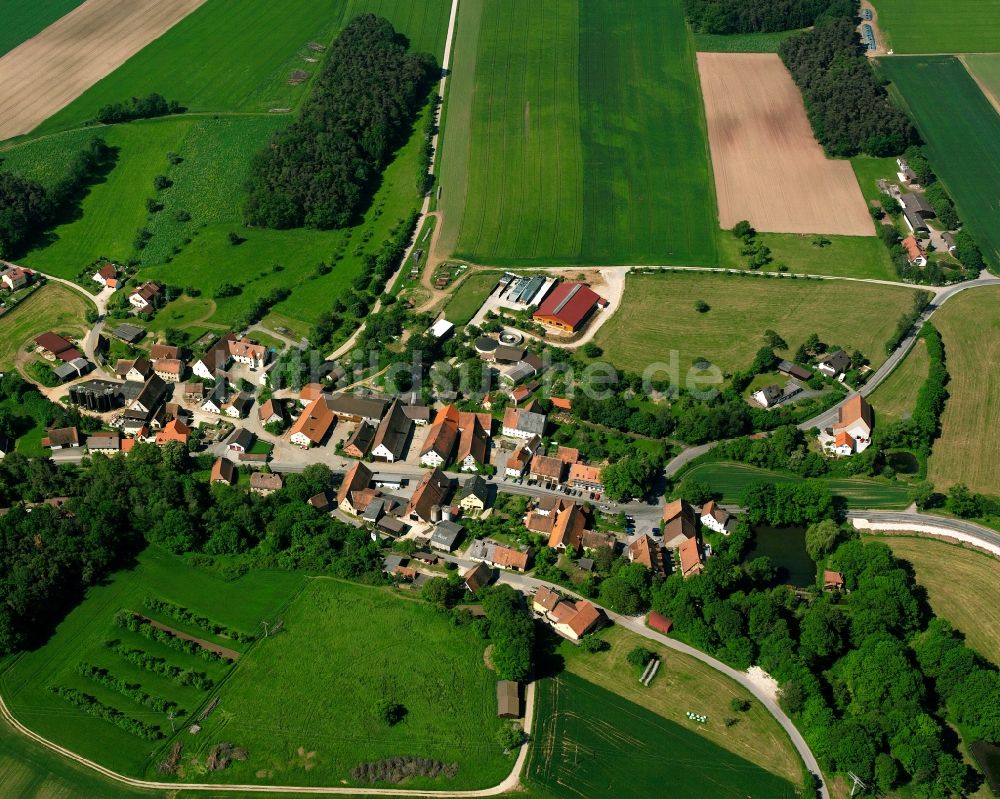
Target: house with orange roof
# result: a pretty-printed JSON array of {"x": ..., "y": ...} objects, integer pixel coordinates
[
  {"x": 572, "y": 620},
  {"x": 853, "y": 431},
  {"x": 312, "y": 425},
  {"x": 507, "y": 558},
  {"x": 357, "y": 479},
  {"x": 107, "y": 276},
  {"x": 914, "y": 252},
  {"x": 174, "y": 430},
  {"x": 223, "y": 471},
  {"x": 646, "y": 551},
  {"x": 679, "y": 523},
  {"x": 832, "y": 581},
  {"x": 310, "y": 393},
  {"x": 584, "y": 477},
  {"x": 690, "y": 557},
  {"x": 567, "y": 528}
]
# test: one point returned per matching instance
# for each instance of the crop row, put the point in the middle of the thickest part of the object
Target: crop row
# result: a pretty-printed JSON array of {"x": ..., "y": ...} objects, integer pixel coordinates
[
  {"x": 187, "y": 616},
  {"x": 131, "y": 690},
  {"x": 128, "y": 620},
  {"x": 158, "y": 665},
  {"x": 94, "y": 707}
]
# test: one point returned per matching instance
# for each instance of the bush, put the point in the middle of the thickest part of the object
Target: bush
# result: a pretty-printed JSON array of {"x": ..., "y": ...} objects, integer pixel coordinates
[
  {"x": 701, "y": 306},
  {"x": 593, "y": 644},
  {"x": 639, "y": 657},
  {"x": 152, "y": 105},
  {"x": 738, "y": 705}
]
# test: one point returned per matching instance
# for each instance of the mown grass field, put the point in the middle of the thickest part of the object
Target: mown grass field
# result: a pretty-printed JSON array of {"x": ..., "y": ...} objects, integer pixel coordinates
[
  {"x": 26, "y": 679},
  {"x": 842, "y": 256},
  {"x": 469, "y": 296},
  {"x": 961, "y": 587},
  {"x": 741, "y": 42},
  {"x": 962, "y": 130},
  {"x": 304, "y": 702},
  {"x": 896, "y": 397},
  {"x": 658, "y": 317},
  {"x": 970, "y": 425},
  {"x": 985, "y": 68},
  {"x": 730, "y": 479},
  {"x": 929, "y": 26},
  {"x": 591, "y": 742},
  {"x": 869, "y": 170},
  {"x": 587, "y": 137},
  {"x": 23, "y": 19},
  {"x": 757, "y": 737},
  {"x": 52, "y": 307}
]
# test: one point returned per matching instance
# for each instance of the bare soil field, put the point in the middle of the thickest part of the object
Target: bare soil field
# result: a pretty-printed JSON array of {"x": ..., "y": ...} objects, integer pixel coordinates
[
  {"x": 50, "y": 70},
  {"x": 768, "y": 167}
]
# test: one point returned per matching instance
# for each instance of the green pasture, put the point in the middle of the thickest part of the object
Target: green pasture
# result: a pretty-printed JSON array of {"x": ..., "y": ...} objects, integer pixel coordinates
[
  {"x": 741, "y": 42},
  {"x": 23, "y": 19},
  {"x": 932, "y": 26},
  {"x": 840, "y": 256},
  {"x": 581, "y": 139},
  {"x": 986, "y": 69},
  {"x": 304, "y": 701},
  {"x": 591, "y": 742},
  {"x": 869, "y": 170},
  {"x": 897, "y": 396},
  {"x": 730, "y": 479},
  {"x": 469, "y": 296},
  {"x": 962, "y": 131},
  {"x": 25, "y": 679},
  {"x": 658, "y": 321}
]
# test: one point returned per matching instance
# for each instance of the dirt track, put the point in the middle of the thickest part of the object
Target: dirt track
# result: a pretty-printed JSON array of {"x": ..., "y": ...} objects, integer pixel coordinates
[
  {"x": 768, "y": 167},
  {"x": 55, "y": 67}
]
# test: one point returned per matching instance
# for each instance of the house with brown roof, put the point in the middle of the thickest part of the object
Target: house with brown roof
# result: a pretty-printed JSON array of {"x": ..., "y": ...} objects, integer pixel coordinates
[
  {"x": 174, "y": 430},
  {"x": 133, "y": 370},
  {"x": 679, "y": 523},
  {"x": 690, "y": 557},
  {"x": 194, "y": 391},
  {"x": 715, "y": 517},
  {"x": 223, "y": 471},
  {"x": 519, "y": 460},
  {"x": 473, "y": 446},
  {"x": 546, "y": 469},
  {"x": 15, "y": 277},
  {"x": 355, "y": 408},
  {"x": 61, "y": 438},
  {"x": 215, "y": 360},
  {"x": 507, "y": 558},
  {"x": 832, "y": 581},
  {"x": 170, "y": 370},
  {"x": 313, "y": 424},
  {"x": 144, "y": 298},
  {"x": 310, "y": 392},
  {"x": 646, "y": 551},
  {"x": 158, "y": 351},
  {"x": 477, "y": 577},
  {"x": 572, "y": 620},
  {"x": 265, "y": 484},
  {"x": 56, "y": 347},
  {"x": 271, "y": 412},
  {"x": 104, "y": 443},
  {"x": 393, "y": 432},
  {"x": 107, "y": 276},
  {"x": 360, "y": 442},
  {"x": 357, "y": 480},
  {"x": 431, "y": 492}
]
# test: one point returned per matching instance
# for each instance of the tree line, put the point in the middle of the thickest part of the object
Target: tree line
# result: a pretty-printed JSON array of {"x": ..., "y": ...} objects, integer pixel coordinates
[
  {"x": 28, "y": 209},
  {"x": 152, "y": 105},
  {"x": 762, "y": 16},
  {"x": 319, "y": 171},
  {"x": 849, "y": 109}
]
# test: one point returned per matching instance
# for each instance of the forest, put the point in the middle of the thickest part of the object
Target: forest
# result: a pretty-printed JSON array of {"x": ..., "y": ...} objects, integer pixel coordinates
[
  {"x": 850, "y": 111},
  {"x": 320, "y": 171},
  {"x": 762, "y": 16}
]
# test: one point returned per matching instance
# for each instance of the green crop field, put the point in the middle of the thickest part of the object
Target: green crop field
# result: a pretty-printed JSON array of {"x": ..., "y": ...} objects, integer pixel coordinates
[
  {"x": 932, "y": 26},
  {"x": 52, "y": 307},
  {"x": 985, "y": 68},
  {"x": 657, "y": 317},
  {"x": 741, "y": 42},
  {"x": 970, "y": 424},
  {"x": 304, "y": 701},
  {"x": 23, "y": 19},
  {"x": 218, "y": 60},
  {"x": 581, "y": 138},
  {"x": 591, "y": 742},
  {"x": 841, "y": 256},
  {"x": 731, "y": 478},
  {"x": 26, "y": 679},
  {"x": 896, "y": 397},
  {"x": 962, "y": 131}
]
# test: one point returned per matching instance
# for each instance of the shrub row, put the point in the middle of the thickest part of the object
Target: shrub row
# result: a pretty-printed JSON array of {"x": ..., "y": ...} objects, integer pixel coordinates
[
  {"x": 190, "y": 617},
  {"x": 920, "y": 301},
  {"x": 152, "y": 105},
  {"x": 397, "y": 769},
  {"x": 933, "y": 394},
  {"x": 425, "y": 178},
  {"x": 158, "y": 665},
  {"x": 132, "y": 622},
  {"x": 94, "y": 707},
  {"x": 131, "y": 690}
]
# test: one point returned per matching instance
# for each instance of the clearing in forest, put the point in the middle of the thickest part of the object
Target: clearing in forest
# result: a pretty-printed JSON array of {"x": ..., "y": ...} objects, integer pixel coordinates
[{"x": 768, "y": 166}]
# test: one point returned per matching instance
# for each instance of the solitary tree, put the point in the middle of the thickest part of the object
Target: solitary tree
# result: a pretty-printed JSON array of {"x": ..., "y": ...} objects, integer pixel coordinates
[{"x": 701, "y": 306}]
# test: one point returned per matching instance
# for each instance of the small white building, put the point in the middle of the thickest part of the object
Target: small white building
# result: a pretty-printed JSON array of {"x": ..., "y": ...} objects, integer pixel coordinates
[{"x": 715, "y": 518}]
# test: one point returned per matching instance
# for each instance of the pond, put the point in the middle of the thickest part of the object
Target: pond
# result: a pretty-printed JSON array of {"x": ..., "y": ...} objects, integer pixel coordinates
[
  {"x": 786, "y": 547},
  {"x": 903, "y": 462}
]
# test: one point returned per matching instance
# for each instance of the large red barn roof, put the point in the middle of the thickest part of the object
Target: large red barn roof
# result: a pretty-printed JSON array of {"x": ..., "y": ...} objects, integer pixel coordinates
[{"x": 569, "y": 303}]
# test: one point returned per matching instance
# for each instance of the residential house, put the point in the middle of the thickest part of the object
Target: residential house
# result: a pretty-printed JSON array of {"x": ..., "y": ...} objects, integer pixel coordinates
[
  {"x": 392, "y": 434},
  {"x": 163, "y": 352},
  {"x": 14, "y": 277},
  {"x": 545, "y": 468},
  {"x": 678, "y": 524},
  {"x": 170, "y": 370},
  {"x": 568, "y": 522},
  {"x": 567, "y": 306},
  {"x": 193, "y": 391},
  {"x": 914, "y": 252},
  {"x": 104, "y": 443},
  {"x": 349, "y": 495},
  {"x": 240, "y": 440},
  {"x": 522, "y": 423},
  {"x": 502, "y": 557},
  {"x": 313, "y": 424},
  {"x": 572, "y": 620},
  {"x": 150, "y": 397},
  {"x": 473, "y": 446},
  {"x": 949, "y": 241},
  {"x": 832, "y": 581},
  {"x": 323, "y": 501},
  {"x": 520, "y": 458},
  {"x": 431, "y": 493},
  {"x": 248, "y": 352},
  {"x": 239, "y": 406},
  {"x": 690, "y": 557},
  {"x": 473, "y": 496},
  {"x": 217, "y": 397},
  {"x": 770, "y": 396},
  {"x": 477, "y": 577},
  {"x": 107, "y": 276},
  {"x": 360, "y": 441},
  {"x": 853, "y": 430},
  {"x": 441, "y": 438},
  {"x": 585, "y": 478},
  {"x": 835, "y": 363},
  {"x": 446, "y": 536},
  {"x": 794, "y": 370},
  {"x": 714, "y": 517},
  {"x": 309, "y": 393},
  {"x": 905, "y": 174},
  {"x": 144, "y": 298},
  {"x": 215, "y": 360},
  {"x": 354, "y": 408},
  {"x": 508, "y": 699},
  {"x": 174, "y": 430},
  {"x": 271, "y": 412},
  {"x": 135, "y": 370},
  {"x": 265, "y": 484},
  {"x": 646, "y": 551},
  {"x": 420, "y": 415},
  {"x": 223, "y": 471}
]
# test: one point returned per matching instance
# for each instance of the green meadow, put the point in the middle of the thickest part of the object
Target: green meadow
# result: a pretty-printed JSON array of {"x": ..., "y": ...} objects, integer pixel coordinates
[
  {"x": 932, "y": 26},
  {"x": 985, "y": 67},
  {"x": 23, "y": 19},
  {"x": 581, "y": 138},
  {"x": 962, "y": 131}
]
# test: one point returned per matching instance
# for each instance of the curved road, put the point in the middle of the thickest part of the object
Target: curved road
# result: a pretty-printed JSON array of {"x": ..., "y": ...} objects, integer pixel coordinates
[{"x": 940, "y": 526}]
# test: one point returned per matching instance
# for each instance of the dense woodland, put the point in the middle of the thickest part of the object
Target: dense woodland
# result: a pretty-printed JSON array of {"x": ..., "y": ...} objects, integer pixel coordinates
[
  {"x": 850, "y": 111},
  {"x": 320, "y": 171},
  {"x": 762, "y": 16},
  {"x": 28, "y": 209}
]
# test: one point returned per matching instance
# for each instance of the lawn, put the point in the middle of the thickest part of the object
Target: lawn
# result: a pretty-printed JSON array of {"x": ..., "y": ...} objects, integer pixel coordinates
[
  {"x": 985, "y": 68},
  {"x": 930, "y": 26},
  {"x": 961, "y": 587},
  {"x": 304, "y": 702},
  {"x": 970, "y": 425},
  {"x": 23, "y": 19},
  {"x": 757, "y": 737},
  {"x": 869, "y": 170},
  {"x": 741, "y": 42},
  {"x": 658, "y": 320},
  {"x": 469, "y": 296},
  {"x": 841, "y": 256},
  {"x": 52, "y": 307},
  {"x": 26, "y": 679},
  {"x": 962, "y": 131},
  {"x": 590, "y": 742},
  {"x": 896, "y": 397},
  {"x": 581, "y": 138},
  {"x": 730, "y": 479}
]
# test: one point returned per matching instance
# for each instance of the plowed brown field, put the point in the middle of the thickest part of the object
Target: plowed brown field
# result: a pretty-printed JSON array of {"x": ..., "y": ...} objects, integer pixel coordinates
[
  {"x": 768, "y": 167},
  {"x": 48, "y": 71}
]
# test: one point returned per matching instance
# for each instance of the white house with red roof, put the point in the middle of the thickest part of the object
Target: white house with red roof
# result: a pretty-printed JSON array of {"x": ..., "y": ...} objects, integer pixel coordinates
[{"x": 853, "y": 431}]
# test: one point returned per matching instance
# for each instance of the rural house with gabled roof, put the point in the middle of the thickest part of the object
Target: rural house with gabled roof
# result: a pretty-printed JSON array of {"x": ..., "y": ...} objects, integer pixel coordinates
[
  {"x": 313, "y": 425},
  {"x": 715, "y": 517},
  {"x": 392, "y": 434},
  {"x": 431, "y": 492},
  {"x": 646, "y": 551},
  {"x": 357, "y": 479},
  {"x": 853, "y": 431},
  {"x": 679, "y": 523}
]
